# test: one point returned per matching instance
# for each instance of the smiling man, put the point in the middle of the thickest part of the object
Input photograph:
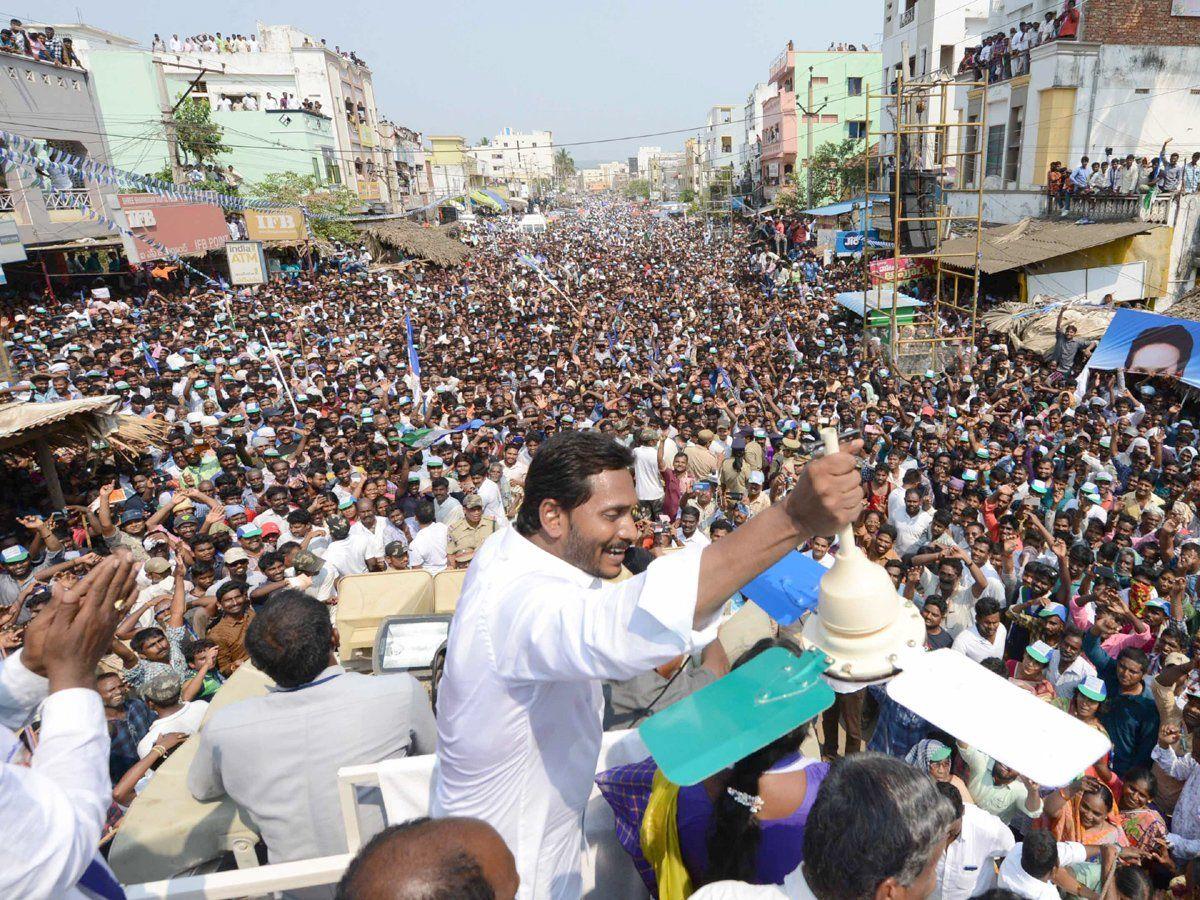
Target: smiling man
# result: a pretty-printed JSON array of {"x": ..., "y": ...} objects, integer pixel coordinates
[{"x": 537, "y": 629}]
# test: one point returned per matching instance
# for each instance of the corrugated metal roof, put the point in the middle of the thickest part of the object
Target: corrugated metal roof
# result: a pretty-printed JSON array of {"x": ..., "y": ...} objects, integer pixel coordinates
[{"x": 1032, "y": 241}]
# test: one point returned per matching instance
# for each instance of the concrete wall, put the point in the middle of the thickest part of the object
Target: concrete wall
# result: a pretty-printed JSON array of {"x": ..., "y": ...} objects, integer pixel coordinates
[
  {"x": 43, "y": 102},
  {"x": 290, "y": 141},
  {"x": 127, "y": 93}
]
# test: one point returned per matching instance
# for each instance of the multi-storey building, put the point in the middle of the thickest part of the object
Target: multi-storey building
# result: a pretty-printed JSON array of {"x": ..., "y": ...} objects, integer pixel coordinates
[{"x": 518, "y": 160}]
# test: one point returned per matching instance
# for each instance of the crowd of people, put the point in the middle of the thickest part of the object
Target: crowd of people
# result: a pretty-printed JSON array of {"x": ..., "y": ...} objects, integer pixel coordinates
[
  {"x": 1002, "y": 56},
  {"x": 207, "y": 42},
  {"x": 1142, "y": 177},
  {"x": 45, "y": 44},
  {"x": 1045, "y": 526}
]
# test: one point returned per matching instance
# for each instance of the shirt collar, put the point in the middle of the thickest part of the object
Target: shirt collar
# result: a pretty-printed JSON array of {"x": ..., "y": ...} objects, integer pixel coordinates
[
  {"x": 325, "y": 673},
  {"x": 518, "y": 546}
]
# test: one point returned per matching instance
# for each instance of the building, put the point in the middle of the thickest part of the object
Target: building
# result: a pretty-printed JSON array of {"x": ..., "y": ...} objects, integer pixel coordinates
[
  {"x": 56, "y": 108},
  {"x": 750, "y": 151},
  {"x": 517, "y": 160},
  {"x": 644, "y": 155},
  {"x": 836, "y": 82},
  {"x": 295, "y": 106},
  {"x": 452, "y": 170},
  {"x": 1085, "y": 98},
  {"x": 691, "y": 166},
  {"x": 409, "y": 175},
  {"x": 925, "y": 37},
  {"x": 717, "y": 146},
  {"x": 666, "y": 173}
]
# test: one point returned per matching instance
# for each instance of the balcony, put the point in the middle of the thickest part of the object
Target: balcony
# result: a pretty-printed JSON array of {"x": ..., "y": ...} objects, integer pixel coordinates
[
  {"x": 782, "y": 66},
  {"x": 779, "y": 127},
  {"x": 68, "y": 198},
  {"x": 907, "y": 17},
  {"x": 1161, "y": 210}
]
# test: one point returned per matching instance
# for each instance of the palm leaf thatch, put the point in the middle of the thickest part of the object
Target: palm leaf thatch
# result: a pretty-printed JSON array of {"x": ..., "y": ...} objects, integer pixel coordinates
[
  {"x": 76, "y": 425},
  {"x": 399, "y": 236},
  {"x": 1031, "y": 327}
]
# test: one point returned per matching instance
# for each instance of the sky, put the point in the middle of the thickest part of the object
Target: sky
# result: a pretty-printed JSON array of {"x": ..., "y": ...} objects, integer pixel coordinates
[{"x": 586, "y": 71}]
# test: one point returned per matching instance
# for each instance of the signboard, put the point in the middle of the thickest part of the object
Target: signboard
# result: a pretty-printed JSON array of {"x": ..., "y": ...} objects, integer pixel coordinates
[
  {"x": 141, "y": 218},
  {"x": 908, "y": 269},
  {"x": 1146, "y": 344},
  {"x": 185, "y": 229},
  {"x": 847, "y": 243},
  {"x": 11, "y": 248},
  {"x": 276, "y": 225},
  {"x": 1125, "y": 281},
  {"x": 246, "y": 262},
  {"x": 1185, "y": 7}
]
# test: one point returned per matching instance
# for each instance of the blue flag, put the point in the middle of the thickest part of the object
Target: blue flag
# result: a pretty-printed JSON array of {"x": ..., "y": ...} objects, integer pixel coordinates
[
  {"x": 413, "y": 363},
  {"x": 150, "y": 360}
]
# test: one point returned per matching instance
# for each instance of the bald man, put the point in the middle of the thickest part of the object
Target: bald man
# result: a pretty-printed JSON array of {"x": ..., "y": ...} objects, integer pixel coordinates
[{"x": 432, "y": 859}]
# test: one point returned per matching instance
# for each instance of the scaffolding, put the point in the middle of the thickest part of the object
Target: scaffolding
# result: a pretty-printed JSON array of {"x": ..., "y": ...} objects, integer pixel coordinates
[
  {"x": 915, "y": 161},
  {"x": 714, "y": 202}
]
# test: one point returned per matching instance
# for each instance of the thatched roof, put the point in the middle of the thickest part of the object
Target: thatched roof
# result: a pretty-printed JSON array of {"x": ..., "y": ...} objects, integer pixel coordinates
[
  {"x": 432, "y": 244},
  {"x": 1030, "y": 326},
  {"x": 1186, "y": 307},
  {"x": 76, "y": 424}
]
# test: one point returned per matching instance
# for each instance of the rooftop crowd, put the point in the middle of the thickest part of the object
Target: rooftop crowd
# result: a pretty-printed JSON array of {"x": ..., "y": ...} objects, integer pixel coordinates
[{"x": 1047, "y": 533}]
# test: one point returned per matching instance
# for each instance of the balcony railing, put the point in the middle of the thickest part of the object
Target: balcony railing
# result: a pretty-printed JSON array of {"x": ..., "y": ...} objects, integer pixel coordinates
[
  {"x": 906, "y": 17},
  {"x": 69, "y": 198},
  {"x": 1110, "y": 208},
  {"x": 8, "y": 201}
]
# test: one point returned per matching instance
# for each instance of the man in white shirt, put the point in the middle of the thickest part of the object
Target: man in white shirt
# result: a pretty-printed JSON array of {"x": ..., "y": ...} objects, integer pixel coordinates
[
  {"x": 161, "y": 694},
  {"x": 346, "y": 555},
  {"x": 689, "y": 533},
  {"x": 1069, "y": 668},
  {"x": 537, "y": 629},
  {"x": 1031, "y": 868},
  {"x": 986, "y": 637},
  {"x": 818, "y": 551},
  {"x": 977, "y": 838},
  {"x": 55, "y": 802},
  {"x": 912, "y": 522},
  {"x": 428, "y": 547},
  {"x": 646, "y": 475}
]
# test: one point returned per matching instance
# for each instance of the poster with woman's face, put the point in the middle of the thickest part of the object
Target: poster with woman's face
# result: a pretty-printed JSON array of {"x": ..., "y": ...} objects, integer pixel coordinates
[{"x": 1146, "y": 344}]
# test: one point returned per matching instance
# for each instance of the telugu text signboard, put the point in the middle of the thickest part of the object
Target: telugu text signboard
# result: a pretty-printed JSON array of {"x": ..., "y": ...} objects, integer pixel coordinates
[{"x": 182, "y": 228}]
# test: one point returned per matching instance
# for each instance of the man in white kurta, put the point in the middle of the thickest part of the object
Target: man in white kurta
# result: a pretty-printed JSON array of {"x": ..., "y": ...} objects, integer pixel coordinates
[
  {"x": 520, "y": 705},
  {"x": 534, "y": 634}
]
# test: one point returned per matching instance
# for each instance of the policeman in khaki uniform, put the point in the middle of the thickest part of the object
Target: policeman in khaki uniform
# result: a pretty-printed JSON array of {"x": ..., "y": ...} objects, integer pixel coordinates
[{"x": 467, "y": 534}]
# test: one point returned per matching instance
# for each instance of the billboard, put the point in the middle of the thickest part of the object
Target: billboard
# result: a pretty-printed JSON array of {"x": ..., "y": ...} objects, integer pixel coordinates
[
  {"x": 182, "y": 227},
  {"x": 276, "y": 225},
  {"x": 847, "y": 243},
  {"x": 909, "y": 267},
  {"x": 11, "y": 248},
  {"x": 246, "y": 262},
  {"x": 1146, "y": 344}
]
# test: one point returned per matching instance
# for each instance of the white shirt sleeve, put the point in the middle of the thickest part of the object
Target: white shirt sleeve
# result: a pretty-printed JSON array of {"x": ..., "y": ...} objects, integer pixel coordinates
[
  {"x": 1071, "y": 854},
  {"x": 20, "y": 692},
  {"x": 1178, "y": 767},
  {"x": 551, "y": 633},
  {"x": 53, "y": 813}
]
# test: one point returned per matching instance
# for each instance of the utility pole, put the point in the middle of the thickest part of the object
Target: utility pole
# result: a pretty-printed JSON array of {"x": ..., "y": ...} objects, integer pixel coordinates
[
  {"x": 168, "y": 112},
  {"x": 810, "y": 112}
]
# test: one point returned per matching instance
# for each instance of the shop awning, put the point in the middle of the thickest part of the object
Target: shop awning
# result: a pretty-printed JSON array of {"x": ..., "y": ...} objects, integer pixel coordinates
[
  {"x": 844, "y": 206},
  {"x": 1033, "y": 241},
  {"x": 497, "y": 198},
  {"x": 483, "y": 199}
]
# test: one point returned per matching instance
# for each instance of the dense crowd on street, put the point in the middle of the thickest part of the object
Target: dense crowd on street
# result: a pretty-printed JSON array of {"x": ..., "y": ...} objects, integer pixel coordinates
[{"x": 1044, "y": 523}]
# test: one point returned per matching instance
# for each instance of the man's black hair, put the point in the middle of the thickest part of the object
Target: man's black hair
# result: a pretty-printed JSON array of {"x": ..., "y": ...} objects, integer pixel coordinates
[
  {"x": 424, "y": 512},
  {"x": 457, "y": 876},
  {"x": 1039, "y": 854},
  {"x": 950, "y": 792},
  {"x": 561, "y": 470},
  {"x": 233, "y": 585},
  {"x": 290, "y": 638}
]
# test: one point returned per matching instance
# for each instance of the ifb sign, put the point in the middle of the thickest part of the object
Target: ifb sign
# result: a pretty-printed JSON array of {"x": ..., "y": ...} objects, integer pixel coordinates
[{"x": 847, "y": 243}]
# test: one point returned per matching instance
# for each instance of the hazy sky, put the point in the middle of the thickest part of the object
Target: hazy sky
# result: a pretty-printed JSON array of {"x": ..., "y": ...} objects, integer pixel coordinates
[{"x": 584, "y": 70}]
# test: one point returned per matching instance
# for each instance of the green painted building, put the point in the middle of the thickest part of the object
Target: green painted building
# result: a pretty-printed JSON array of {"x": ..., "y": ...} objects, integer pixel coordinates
[{"x": 261, "y": 141}]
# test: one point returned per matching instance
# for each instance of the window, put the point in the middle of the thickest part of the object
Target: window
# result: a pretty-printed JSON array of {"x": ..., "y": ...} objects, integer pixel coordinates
[
  {"x": 819, "y": 80},
  {"x": 994, "y": 162},
  {"x": 856, "y": 130},
  {"x": 1012, "y": 152},
  {"x": 726, "y": 144},
  {"x": 854, "y": 87},
  {"x": 946, "y": 58},
  {"x": 970, "y": 160},
  {"x": 333, "y": 175},
  {"x": 829, "y": 119}
]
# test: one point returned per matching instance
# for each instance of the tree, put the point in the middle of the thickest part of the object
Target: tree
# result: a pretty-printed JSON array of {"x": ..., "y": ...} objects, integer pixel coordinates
[
  {"x": 686, "y": 195},
  {"x": 200, "y": 138},
  {"x": 564, "y": 165},
  {"x": 637, "y": 188},
  {"x": 205, "y": 184},
  {"x": 335, "y": 200},
  {"x": 837, "y": 171}
]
